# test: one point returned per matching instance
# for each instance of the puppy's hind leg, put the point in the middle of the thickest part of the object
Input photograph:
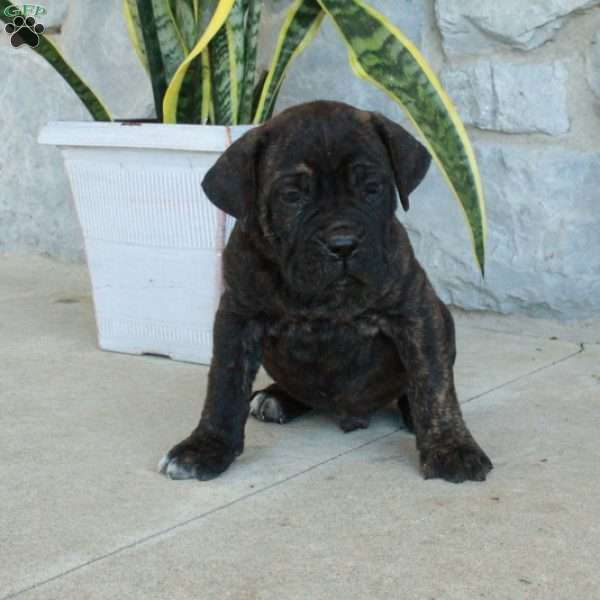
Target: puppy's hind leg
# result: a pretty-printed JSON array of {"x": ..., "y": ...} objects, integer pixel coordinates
[
  {"x": 404, "y": 407},
  {"x": 351, "y": 423},
  {"x": 275, "y": 405}
]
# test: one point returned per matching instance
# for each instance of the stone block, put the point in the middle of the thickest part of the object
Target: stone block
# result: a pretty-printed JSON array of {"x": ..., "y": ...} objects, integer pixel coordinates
[
  {"x": 593, "y": 65},
  {"x": 543, "y": 251},
  {"x": 473, "y": 26},
  {"x": 512, "y": 98},
  {"x": 471, "y": 89},
  {"x": 36, "y": 212},
  {"x": 56, "y": 15}
]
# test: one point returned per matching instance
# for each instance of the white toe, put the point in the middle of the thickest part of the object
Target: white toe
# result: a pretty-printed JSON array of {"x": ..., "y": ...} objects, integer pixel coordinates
[
  {"x": 173, "y": 470},
  {"x": 255, "y": 405},
  {"x": 265, "y": 407},
  {"x": 162, "y": 463},
  {"x": 176, "y": 471}
]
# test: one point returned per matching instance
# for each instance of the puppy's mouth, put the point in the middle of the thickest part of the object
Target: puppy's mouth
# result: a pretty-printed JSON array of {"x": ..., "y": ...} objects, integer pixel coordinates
[
  {"x": 343, "y": 283},
  {"x": 346, "y": 280}
]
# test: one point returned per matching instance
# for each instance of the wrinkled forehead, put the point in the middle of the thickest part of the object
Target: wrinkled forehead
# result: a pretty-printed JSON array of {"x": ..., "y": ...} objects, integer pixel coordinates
[{"x": 322, "y": 142}]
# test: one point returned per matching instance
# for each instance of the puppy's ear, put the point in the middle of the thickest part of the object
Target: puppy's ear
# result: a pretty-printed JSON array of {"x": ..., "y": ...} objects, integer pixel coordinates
[
  {"x": 231, "y": 183},
  {"x": 410, "y": 159}
]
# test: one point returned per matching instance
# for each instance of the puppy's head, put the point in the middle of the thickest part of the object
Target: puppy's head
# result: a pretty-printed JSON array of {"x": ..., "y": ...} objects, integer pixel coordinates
[{"x": 316, "y": 188}]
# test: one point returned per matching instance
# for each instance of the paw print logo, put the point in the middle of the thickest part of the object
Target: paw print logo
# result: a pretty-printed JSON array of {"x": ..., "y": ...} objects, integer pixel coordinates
[{"x": 24, "y": 31}]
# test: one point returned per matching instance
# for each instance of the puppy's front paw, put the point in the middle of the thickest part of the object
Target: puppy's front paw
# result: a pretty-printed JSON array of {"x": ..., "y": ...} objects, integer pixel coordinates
[
  {"x": 202, "y": 456},
  {"x": 456, "y": 462}
]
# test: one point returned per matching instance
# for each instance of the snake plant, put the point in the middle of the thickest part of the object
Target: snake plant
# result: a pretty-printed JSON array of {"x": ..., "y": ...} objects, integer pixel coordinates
[{"x": 201, "y": 57}]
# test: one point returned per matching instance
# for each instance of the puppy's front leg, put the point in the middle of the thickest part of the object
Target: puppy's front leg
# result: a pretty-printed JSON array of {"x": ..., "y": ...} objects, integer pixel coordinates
[
  {"x": 219, "y": 437},
  {"x": 446, "y": 447}
]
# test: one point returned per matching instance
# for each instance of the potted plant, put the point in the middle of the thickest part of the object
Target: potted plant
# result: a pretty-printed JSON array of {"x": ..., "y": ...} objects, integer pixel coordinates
[{"x": 153, "y": 241}]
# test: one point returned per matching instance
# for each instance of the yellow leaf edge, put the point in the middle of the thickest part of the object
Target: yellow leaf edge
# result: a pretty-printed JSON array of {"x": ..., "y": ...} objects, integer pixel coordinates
[
  {"x": 310, "y": 34},
  {"x": 172, "y": 94},
  {"x": 135, "y": 41}
]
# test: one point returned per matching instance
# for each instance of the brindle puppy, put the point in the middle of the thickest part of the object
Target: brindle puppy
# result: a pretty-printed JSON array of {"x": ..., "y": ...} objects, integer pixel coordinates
[{"x": 322, "y": 288}]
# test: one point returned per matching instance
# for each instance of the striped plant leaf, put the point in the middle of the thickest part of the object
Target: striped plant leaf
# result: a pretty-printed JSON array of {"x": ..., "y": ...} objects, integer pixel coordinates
[
  {"x": 299, "y": 28},
  {"x": 206, "y": 11},
  {"x": 227, "y": 66},
  {"x": 194, "y": 103},
  {"x": 253, "y": 9},
  {"x": 163, "y": 43},
  {"x": 172, "y": 95},
  {"x": 258, "y": 88},
  {"x": 382, "y": 55},
  {"x": 236, "y": 38},
  {"x": 134, "y": 28},
  {"x": 156, "y": 65},
  {"x": 192, "y": 5},
  {"x": 170, "y": 39},
  {"x": 47, "y": 50},
  {"x": 183, "y": 12},
  {"x": 220, "y": 66},
  {"x": 189, "y": 107}
]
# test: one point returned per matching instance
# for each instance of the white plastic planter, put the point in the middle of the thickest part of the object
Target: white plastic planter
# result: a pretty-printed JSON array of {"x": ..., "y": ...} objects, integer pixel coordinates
[{"x": 153, "y": 240}]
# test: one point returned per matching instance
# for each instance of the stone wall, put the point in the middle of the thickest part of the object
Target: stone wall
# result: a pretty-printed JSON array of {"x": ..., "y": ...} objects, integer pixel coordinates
[
  {"x": 524, "y": 75},
  {"x": 36, "y": 210}
]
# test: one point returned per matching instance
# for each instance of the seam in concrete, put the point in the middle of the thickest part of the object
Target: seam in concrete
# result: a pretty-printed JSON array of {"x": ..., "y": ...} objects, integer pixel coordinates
[
  {"x": 208, "y": 513},
  {"x": 199, "y": 517},
  {"x": 532, "y": 336},
  {"x": 526, "y": 375}
]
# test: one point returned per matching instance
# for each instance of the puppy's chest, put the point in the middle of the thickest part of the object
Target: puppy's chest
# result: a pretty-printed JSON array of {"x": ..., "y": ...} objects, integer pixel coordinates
[{"x": 323, "y": 344}]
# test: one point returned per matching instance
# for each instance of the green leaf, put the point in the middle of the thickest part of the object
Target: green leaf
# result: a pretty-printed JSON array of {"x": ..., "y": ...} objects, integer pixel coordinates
[
  {"x": 194, "y": 102},
  {"x": 227, "y": 66},
  {"x": 175, "y": 4},
  {"x": 189, "y": 107},
  {"x": 382, "y": 55},
  {"x": 170, "y": 39},
  {"x": 250, "y": 52},
  {"x": 236, "y": 39},
  {"x": 134, "y": 28},
  {"x": 170, "y": 35},
  {"x": 50, "y": 53},
  {"x": 185, "y": 19},
  {"x": 172, "y": 96},
  {"x": 299, "y": 28},
  {"x": 221, "y": 77},
  {"x": 206, "y": 10},
  {"x": 163, "y": 43},
  {"x": 156, "y": 65},
  {"x": 258, "y": 88}
]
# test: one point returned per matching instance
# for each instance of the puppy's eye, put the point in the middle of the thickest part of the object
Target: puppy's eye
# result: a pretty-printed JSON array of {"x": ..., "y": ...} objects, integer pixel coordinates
[
  {"x": 292, "y": 196},
  {"x": 366, "y": 179},
  {"x": 357, "y": 175},
  {"x": 373, "y": 187}
]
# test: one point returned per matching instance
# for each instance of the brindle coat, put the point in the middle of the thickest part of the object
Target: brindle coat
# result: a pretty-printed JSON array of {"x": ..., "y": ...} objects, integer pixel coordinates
[{"x": 322, "y": 287}]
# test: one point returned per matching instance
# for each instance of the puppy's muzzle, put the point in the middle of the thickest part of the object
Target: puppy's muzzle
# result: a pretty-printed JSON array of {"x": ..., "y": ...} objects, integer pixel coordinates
[{"x": 341, "y": 240}]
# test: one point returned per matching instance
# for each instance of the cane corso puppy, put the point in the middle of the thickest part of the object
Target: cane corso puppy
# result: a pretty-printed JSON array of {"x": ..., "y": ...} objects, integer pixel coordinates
[{"x": 323, "y": 289}]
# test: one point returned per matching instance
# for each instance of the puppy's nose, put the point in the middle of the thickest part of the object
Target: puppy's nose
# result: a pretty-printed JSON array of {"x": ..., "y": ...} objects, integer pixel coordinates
[{"x": 342, "y": 245}]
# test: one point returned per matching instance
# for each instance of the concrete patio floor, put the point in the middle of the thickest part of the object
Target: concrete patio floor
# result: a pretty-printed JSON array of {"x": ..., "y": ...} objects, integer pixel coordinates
[{"x": 307, "y": 512}]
